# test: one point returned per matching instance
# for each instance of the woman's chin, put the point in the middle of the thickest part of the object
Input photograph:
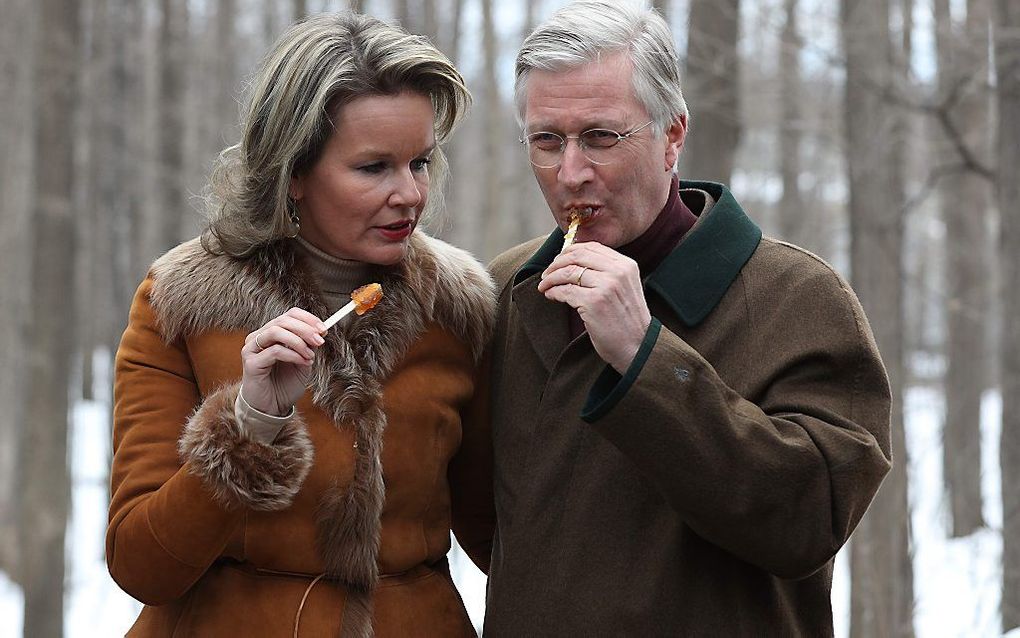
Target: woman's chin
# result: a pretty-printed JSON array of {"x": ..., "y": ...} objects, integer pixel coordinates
[{"x": 387, "y": 255}]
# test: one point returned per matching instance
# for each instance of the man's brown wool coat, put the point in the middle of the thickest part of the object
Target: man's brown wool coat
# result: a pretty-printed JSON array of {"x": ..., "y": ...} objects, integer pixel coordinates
[{"x": 706, "y": 490}]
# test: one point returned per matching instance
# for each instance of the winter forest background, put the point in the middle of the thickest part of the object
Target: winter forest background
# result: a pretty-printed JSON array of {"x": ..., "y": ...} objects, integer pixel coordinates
[{"x": 883, "y": 135}]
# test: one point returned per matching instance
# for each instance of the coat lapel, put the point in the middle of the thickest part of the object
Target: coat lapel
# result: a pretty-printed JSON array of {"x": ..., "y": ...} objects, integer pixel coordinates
[{"x": 544, "y": 322}]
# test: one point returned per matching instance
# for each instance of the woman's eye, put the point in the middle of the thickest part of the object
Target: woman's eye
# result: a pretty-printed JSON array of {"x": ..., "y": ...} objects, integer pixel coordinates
[
  {"x": 421, "y": 164},
  {"x": 375, "y": 167}
]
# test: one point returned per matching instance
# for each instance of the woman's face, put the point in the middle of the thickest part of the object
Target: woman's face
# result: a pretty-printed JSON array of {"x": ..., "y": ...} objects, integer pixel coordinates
[{"x": 362, "y": 198}]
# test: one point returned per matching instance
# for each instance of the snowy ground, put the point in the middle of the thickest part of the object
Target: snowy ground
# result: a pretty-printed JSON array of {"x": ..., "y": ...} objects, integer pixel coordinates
[{"x": 956, "y": 581}]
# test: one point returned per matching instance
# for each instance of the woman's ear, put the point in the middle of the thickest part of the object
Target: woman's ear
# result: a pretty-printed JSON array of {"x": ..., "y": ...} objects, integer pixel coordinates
[
  {"x": 675, "y": 136},
  {"x": 297, "y": 188}
]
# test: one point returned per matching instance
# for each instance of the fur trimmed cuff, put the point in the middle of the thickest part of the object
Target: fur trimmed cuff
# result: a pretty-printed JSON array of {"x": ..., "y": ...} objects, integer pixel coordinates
[{"x": 240, "y": 471}]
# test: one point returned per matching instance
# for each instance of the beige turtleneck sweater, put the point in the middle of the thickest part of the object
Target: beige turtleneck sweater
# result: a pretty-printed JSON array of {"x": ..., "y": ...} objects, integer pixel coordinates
[{"x": 336, "y": 278}]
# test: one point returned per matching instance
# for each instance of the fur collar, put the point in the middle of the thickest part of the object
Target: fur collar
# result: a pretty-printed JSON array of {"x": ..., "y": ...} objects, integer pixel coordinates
[{"x": 194, "y": 291}]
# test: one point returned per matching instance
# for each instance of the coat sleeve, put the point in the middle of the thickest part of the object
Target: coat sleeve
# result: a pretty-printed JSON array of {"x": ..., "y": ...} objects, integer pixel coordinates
[
  {"x": 779, "y": 478},
  {"x": 473, "y": 514},
  {"x": 184, "y": 473}
]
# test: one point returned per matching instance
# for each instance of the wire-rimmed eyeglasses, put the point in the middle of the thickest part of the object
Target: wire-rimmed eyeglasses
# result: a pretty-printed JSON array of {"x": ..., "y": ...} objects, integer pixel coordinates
[{"x": 545, "y": 149}]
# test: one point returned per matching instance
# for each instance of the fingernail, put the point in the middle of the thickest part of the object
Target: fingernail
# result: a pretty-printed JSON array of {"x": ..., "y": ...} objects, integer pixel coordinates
[
  {"x": 321, "y": 326},
  {"x": 319, "y": 340}
]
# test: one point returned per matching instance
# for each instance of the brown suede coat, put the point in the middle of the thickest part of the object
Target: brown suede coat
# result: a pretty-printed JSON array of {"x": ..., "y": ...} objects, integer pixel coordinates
[
  {"x": 706, "y": 491},
  {"x": 342, "y": 525}
]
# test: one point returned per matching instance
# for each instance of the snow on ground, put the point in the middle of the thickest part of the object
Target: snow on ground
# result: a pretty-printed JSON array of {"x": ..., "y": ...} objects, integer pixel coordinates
[{"x": 956, "y": 580}]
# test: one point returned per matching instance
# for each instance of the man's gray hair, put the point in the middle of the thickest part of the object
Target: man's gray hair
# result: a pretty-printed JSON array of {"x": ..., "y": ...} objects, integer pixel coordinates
[
  {"x": 588, "y": 30},
  {"x": 320, "y": 64}
]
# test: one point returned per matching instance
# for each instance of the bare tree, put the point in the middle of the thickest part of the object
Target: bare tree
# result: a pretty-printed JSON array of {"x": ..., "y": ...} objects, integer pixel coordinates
[
  {"x": 882, "y": 585},
  {"x": 1007, "y": 63},
  {"x": 227, "y": 74},
  {"x": 299, "y": 8},
  {"x": 453, "y": 48},
  {"x": 712, "y": 84},
  {"x": 16, "y": 73},
  {"x": 430, "y": 21},
  {"x": 165, "y": 230},
  {"x": 663, "y": 7},
  {"x": 494, "y": 233},
  {"x": 402, "y": 8},
  {"x": 792, "y": 213},
  {"x": 963, "y": 112},
  {"x": 44, "y": 483},
  {"x": 122, "y": 187}
]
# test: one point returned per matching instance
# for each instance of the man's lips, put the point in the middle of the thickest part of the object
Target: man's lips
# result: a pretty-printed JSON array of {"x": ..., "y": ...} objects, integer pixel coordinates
[{"x": 588, "y": 212}]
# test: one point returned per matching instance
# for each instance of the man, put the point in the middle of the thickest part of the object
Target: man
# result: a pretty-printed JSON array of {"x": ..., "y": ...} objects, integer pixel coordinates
[{"x": 688, "y": 420}]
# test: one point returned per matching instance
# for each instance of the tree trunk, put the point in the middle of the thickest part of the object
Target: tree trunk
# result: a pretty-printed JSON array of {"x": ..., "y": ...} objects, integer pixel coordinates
[
  {"x": 403, "y": 11},
  {"x": 125, "y": 262},
  {"x": 964, "y": 195},
  {"x": 430, "y": 21},
  {"x": 662, "y": 6},
  {"x": 44, "y": 483},
  {"x": 17, "y": 58},
  {"x": 299, "y": 8},
  {"x": 453, "y": 48},
  {"x": 1007, "y": 56},
  {"x": 494, "y": 237},
  {"x": 227, "y": 75},
  {"x": 792, "y": 214},
  {"x": 713, "y": 88},
  {"x": 91, "y": 164},
  {"x": 882, "y": 580},
  {"x": 172, "y": 54}
]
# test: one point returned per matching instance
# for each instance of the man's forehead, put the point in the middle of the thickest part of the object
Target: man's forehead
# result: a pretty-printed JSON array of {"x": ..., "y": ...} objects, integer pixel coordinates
[{"x": 597, "y": 94}]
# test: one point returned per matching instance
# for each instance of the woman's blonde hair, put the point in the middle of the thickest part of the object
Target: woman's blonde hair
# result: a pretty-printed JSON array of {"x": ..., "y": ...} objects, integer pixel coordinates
[{"x": 317, "y": 66}]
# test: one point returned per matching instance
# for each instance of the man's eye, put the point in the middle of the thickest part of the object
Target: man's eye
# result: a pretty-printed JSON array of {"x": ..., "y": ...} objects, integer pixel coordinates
[
  {"x": 600, "y": 137},
  {"x": 545, "y": 141}
]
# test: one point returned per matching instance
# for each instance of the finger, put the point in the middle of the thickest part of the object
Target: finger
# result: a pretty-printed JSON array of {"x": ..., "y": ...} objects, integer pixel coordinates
[
  {"x": 304, "y": 316},
  {"x": 591, "y": 254},
  {"x": 305, "y": 331},
  {"x": 264, "y": 360},
  {"x": 281, "y": 335},
  {"x": 573, "y": 296},
  {"x": 571, "y": 274}
]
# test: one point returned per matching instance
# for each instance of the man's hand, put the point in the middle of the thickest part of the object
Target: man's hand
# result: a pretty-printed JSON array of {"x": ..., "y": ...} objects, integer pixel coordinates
[{"x": 605, "y": 288}]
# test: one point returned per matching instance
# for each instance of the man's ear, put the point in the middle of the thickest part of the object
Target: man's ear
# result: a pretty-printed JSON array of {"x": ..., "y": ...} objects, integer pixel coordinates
[{"x": 675, "y": 136}]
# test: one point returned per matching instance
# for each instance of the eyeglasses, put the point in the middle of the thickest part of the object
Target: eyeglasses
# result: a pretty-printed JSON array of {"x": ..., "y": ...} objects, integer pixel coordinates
[{"x": 545, "y": 149}]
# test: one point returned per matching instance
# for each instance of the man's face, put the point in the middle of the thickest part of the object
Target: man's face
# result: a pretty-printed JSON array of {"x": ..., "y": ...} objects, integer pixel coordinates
[{"x": 626, "y": 194}]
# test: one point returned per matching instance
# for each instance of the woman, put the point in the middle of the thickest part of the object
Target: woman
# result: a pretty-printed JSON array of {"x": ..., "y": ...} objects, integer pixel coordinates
[{"x": 271, "y": 477}]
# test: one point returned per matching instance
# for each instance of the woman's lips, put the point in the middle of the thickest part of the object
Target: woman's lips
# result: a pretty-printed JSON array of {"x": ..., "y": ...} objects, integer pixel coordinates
[{"x": 397, "y": 231}]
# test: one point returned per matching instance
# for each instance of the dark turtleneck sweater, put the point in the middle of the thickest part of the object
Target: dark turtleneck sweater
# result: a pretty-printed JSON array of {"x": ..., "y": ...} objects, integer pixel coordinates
[{"x": 658, "y": 240}]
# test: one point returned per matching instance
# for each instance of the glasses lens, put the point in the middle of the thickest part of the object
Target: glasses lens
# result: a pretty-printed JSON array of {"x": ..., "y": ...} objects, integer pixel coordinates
[
  {"x": 600, "y": 138},
  {"x": 544, "y": 148},
  {"x": 545, "y": 141}
]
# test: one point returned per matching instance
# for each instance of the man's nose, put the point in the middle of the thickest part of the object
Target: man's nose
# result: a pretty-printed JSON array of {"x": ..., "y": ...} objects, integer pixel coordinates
[{"x": 575, "y": 169}]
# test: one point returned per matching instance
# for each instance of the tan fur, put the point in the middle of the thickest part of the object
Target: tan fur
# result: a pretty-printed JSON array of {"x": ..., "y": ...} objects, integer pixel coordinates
[
  {"x": 239, "y": 471},
  {"x": 437, "y": 283}
]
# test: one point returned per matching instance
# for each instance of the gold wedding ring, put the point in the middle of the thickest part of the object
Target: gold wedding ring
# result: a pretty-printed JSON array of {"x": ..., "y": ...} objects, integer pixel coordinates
[{"x": 583, "y": 270}]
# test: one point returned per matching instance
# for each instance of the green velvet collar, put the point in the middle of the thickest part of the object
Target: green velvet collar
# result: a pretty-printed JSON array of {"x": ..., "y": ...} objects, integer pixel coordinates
[{"x": 695, "y": 276}]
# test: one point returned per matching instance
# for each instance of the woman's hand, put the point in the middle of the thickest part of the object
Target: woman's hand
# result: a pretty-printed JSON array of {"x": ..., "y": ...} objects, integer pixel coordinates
[{"x": 277, "y": 361}]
